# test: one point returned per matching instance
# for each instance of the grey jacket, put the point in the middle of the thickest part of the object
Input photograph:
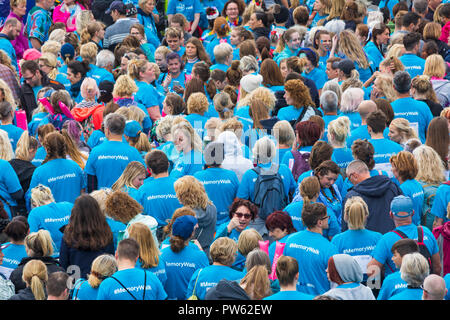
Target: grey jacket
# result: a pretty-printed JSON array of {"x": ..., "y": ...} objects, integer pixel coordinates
[
  {"x": 206, "y": 226},
  {"x": 442, "y": 89}
]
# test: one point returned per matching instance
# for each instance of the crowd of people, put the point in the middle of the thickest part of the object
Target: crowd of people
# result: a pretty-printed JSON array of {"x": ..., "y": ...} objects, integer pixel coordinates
[{"x": 225, "y": 150}]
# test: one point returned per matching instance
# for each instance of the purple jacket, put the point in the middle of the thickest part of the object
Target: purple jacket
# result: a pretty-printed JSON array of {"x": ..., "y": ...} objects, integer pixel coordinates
[{"x": 21, "y": 42}]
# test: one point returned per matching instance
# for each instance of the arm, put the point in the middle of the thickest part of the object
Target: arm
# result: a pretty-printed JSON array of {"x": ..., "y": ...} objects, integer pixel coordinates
[
  {"x": 436, "y": 262},
  {"x": 374, "y": 268},
  {"x": 35, "y": 43},
  {"x": 194, "y": 24},
  {"x": 154, "y": 113}
]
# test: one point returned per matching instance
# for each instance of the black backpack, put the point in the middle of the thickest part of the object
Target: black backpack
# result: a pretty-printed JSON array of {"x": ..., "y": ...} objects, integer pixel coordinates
[
  {"x": 269, "y": 193},
  {"x": 422, "y": 247}
]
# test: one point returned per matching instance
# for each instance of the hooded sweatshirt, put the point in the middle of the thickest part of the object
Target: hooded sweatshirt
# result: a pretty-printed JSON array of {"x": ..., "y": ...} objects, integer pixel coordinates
[
  {"x": 227, "y": 290},
  {"x": 442, "y": 234},
  {"x": 377, "y": 192},
  {"x": 233, "y": 157},
  {"x": 351, "y": 274},
  {"x": 206, "y": 226}
]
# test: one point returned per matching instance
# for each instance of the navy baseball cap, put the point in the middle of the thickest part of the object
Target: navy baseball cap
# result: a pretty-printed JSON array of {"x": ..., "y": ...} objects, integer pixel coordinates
[
  {"x": 402, "y": 204},
  {"x": 116, "y": 5},
  {"x": 184, "y": 226}
]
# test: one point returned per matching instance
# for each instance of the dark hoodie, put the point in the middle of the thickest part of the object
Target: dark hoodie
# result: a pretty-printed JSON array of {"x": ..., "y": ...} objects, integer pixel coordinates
[
  {"x": 377, "y": 192},
  {"x": 226, "y": 290},
  {"x": 261, "y": 32}
]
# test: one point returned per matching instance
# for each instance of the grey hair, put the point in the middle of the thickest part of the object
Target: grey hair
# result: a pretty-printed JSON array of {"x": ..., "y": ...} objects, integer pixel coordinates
[
  {"x": 414, "y": 269},
  {"x": 351, "y": 98},
  {"x": 264, "y": 150},
  {"x": 115, "y": 123},
  {"x": 105, "y": 58},
  {"x": 357, "y": 166},
  {"x": 222, "y": 52},
  {"x": 335, "y": 26},
  {"x": 329, "y": 101},
  {"x": 248, "y": 63}
]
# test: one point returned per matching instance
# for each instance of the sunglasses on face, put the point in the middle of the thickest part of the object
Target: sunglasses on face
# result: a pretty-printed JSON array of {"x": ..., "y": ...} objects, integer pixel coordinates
[{"x": 245, "y": 215}]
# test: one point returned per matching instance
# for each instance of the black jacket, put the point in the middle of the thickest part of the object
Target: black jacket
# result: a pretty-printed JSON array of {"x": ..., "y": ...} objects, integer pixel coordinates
[
  {"x": 226, "y": 290},
  {"x": 377, "y": 192},
  {"x": 261, "y": 32},
  {"x": 24, "y": 170},
  {"x": 16, "y": 276},
  {"x": 23, "y": 294},
  {"x": 27, "y": 98}
]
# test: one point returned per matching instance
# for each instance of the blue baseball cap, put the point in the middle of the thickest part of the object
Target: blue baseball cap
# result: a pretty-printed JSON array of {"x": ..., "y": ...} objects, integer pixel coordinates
[
  {"x": 132, "y": 129},
  {"x": 116, "y": 5},
  {"x": 402, "y": 204},
  {"x": 184, "y": 226}
]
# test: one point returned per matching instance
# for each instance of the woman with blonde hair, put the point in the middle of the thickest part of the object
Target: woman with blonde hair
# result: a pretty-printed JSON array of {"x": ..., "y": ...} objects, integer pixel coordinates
[
  {"x": 383, "y": 87},
  {"x": 436, "y": 69},
  {"x": 223, "y": 105},
  {"x": 422, "y": 90},
  {"x": 6, "y": 150},
  {"x": 256, "y": 283},
  {"x": 149, "y": 254},
  {"x": 93, "y": 32},
  {"x": 35, "y": 276},
  {"x": 338, "y": 131},
  {"x": 188, "y": 142},
  {"x": 350, "y": 46},
  {"x": 48, "y": 63},
  {"x": 102, "y": 267},
  {"x": 38, "y": 246},
  {"x": 357, "y": 240},
  {"x": 131, "y": 179},
  {"x": 197, "y": 107},
  {"x": 6, "y": 93},
  {"x": 430, "y": 174},
  {"x": 223, "y": 254},
  {"x": 400, "y": 131},
  {"x": 285, "y": 135}
]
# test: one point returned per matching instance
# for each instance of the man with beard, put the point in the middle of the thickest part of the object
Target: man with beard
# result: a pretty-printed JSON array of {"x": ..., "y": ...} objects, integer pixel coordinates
[{"x": 10, "y": 31}]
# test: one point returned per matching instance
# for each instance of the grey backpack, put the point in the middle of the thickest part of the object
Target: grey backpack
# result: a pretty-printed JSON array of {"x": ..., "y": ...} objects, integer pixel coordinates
[{"x": 7, "y": 288}]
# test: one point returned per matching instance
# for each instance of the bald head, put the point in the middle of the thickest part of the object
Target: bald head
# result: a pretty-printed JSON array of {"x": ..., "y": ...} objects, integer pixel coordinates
[
  {"x": 434, "y": 288},
  {"x": 366, "y": 107}
]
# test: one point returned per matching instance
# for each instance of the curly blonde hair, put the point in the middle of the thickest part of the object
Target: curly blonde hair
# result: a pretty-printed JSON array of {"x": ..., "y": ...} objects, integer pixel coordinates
[
  {"x": 191, "y": 192},
  {"x": 124, "y": 87},
  {"x": 197, "y": 103}
]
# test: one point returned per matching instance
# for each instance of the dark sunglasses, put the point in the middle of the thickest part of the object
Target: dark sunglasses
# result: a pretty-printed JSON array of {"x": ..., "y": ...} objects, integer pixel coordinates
[{"x": 245, "y": 215}]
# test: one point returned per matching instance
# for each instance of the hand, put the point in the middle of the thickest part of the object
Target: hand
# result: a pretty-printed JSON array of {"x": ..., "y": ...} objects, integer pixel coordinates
[
  {"x": 334, "y": 41},
  {"x": 178, "y": 89},
  {"x": 234, "y": 222},
  {"x": 167, "y": 80}
]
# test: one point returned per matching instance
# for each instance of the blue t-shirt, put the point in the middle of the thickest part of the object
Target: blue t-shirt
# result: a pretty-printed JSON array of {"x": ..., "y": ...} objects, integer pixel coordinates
[
  {"x": 384, "y": 149},
  {"x": 318, "y": 75},
  {"x": 291, "y": 113},
  {"x": 188, "y": 8},
  {"x": 64, "y": 178},
  {"x": 362, "y": 133},
  {"x": 51, "y": 217},
  {"x": 383, "y": 254},
  {"x": 159, "y": 199},
  {"x": 209, "y": 277},
  {"x": 39, "y": 157},
  {"x": 246, "y": 189},
  {"x": 414, "y": 64},
  {"x": 441, "y": 199},
  {"x": 108, "y": 160},
  {"x": 180, "y": 267},
  {"x": 82, "y": 290},
  {"x": 342, "y": 157},
  {"x": 295, "y": 209},
  {"x": 159, "y": 270},
  {"x": 134, "y": 280},
  {"x": 289, "y": 295},
  {"x": 14, "y": 253},
  {"x": 97, "y": 137},
  {"x": 9, "y": 184},
  {"x": 198, "y": 122},
  {"x": 392, "y": 284},
  {"x": 314, "y": 250},
  {"x": 13, "y": 132},
  {"x": 371, "y": 50},
  {"x": 416, "y": 112},
  {"x": 221, "y": 186},
  {"x": 414, "y": 190},
  {"x": 354, "y": 117},
  {"x": 188, "y": 164},
  {"x": 409, "y": 294},
  {"x": 146, "y": 95}
]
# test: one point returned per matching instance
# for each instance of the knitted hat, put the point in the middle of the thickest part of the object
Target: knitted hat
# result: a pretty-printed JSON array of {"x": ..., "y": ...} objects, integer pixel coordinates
[
  {"x": 31, "y": 54},
  {"x": 251, "y": 82},
  {"x": 212, "y": 13},
  {"x": 184, "y": 226},
  {"x": 67, "y": 51}
]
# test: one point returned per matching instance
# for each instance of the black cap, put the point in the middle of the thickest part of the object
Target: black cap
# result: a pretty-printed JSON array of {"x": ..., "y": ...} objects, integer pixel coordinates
[
  {"x": 346, "y": 65},
  {"x": 106, "y": 88},
  {"x": 116, "y": 5}
]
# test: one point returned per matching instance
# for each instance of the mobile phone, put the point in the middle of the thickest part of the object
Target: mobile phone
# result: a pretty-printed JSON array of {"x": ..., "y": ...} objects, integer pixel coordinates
[{"x": 176, "y": 83}]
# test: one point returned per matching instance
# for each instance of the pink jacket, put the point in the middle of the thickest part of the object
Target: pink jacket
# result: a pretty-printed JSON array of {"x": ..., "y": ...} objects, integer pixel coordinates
[
  {"x": 445, "y": 33},
  {"x": 64, "y": 16},
  {"x": 20, "y": 44}
]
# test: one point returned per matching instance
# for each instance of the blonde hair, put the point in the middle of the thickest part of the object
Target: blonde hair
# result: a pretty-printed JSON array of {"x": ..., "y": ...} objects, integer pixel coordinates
[
  {"x": 6, "y": 150},
  {"x": 284, "y": 132},
  {"x": 102, "y": 267},
  {"x": 24, "y": 144},
  {"x": 49, "y": 59},
  {"x": 51, "y": 46},
  {"x": 424, "y": 87},
  {"x": 135, "y": 67},
  {"x": 124, "y": 87},
  {"x": 387, "y": 86},
  {"x": 223, "y": 250},
  {"x": 430, "y": 167},
  {"x": 404, "y": 127},
  {"x": 181, "y": 124},
  {"x": 261, "y": 93},
  {"x": 132, "y": 170},
  {"x": 101, "y": 195},
  {"x": 356, "y": 213},
  {"x": 39, "y": 244},
  {"x": 351, "y": 47},
  {"x": 88, "y": 85},
  {"x": 351, "y": 98},
  {"x": 339, "y": 129},
  {"x": 248, "y": 240},
  {"x": 212, "y": 124},
  {"x": 7, "y": 93},
  {"x": 309, "y": 188},
  {"x": 57, "y": 35},
  {"x": 191, "y": 193},
  {"x": 256, "y": 283},
  {"x": 395, "y": 50},
  {"x": 435, "y": 66},
  {"x": 72, "y": 150},
  {"x": 83, "y": 19},
  {"x": 197, "y": 103},
  {"x": 35, "y": 276},
  {"x": 164, "y": 127},
  {"x": 148, "y": 249},
  {"x": 222, "y": 101},
  {"x": 41, "y": 195}
]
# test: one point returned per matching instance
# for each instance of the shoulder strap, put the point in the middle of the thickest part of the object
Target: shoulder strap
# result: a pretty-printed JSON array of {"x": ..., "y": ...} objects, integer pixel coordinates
[
  {"x": 195, "y": 285},
  {"x": 420, "y": 234},
  {"x": 124, "y": 287},
  {"x": 145, "y": 283},
  {"x": 78, "y": 290},
  {"x": 400, "y": 234}
]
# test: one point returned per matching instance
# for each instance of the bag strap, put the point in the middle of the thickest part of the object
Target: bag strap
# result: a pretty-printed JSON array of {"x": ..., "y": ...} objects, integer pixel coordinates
[
  {"x": 420, "y": 235},
  {"x": 78, "y": 290},
  {"x": 195, "y": 285},
  {"x": 145, "y": 284},
  {"x": 400, "y": 234},
  {"x": 124, "y": 287}
]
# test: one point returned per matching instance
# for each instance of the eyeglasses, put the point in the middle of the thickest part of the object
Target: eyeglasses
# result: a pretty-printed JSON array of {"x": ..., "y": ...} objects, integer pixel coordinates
[
  {"x": 421, "y": 287},
  {"x": 324, "y": 218},
  {"x": 245, "y": 215}
]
